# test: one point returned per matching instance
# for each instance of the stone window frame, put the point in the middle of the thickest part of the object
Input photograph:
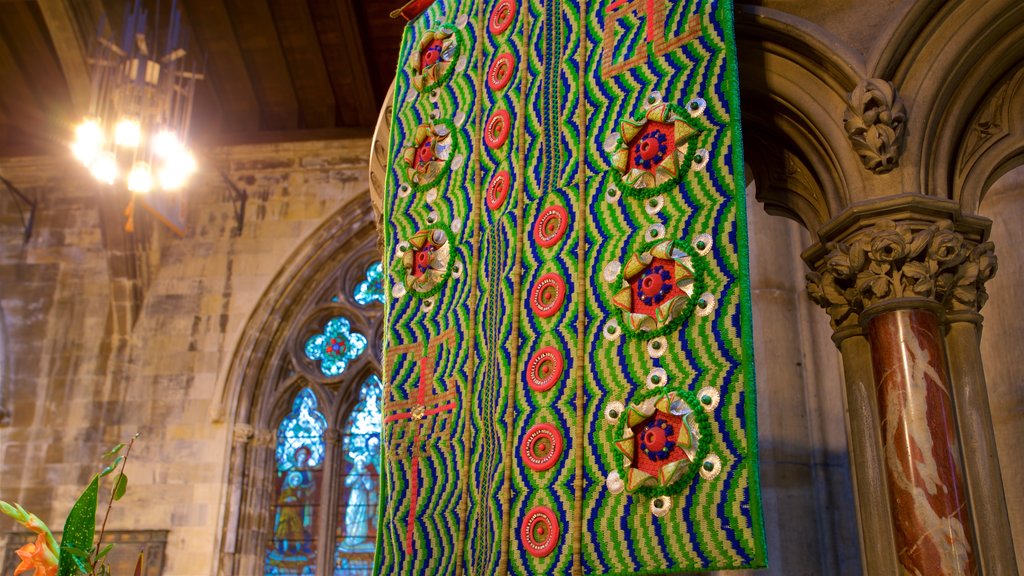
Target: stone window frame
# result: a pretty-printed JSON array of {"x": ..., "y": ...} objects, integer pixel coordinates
[{"x": 270, "y": 368}]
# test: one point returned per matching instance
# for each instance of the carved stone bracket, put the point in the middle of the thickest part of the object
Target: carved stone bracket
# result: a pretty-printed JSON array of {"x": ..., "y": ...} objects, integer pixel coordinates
[
  {"x": 875, "y": 124},
  {"x": 243, "y": 433},
  {"x": 905, "y": 247}
]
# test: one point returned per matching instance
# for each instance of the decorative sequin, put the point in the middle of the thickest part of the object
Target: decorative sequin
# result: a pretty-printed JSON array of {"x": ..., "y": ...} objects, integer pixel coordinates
[
  {"x": 550, "y": 226},
  {"x": 547, "y": 295},
  {"x": 541, "y": 447},
  {"x": 544, "y": 369},
  {"x": 660, "y": 505},
  {"x": 539, "y": 531}
]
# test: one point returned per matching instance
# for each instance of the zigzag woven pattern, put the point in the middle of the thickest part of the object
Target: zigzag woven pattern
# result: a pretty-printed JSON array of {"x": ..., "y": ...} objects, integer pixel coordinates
[{"x": 569, "y": 381}]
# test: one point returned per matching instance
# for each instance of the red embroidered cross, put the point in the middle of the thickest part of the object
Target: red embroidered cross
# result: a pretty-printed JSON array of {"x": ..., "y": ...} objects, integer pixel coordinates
[
  {"x": 412, "y": 414},
  {"x": 653, "y": 13}
]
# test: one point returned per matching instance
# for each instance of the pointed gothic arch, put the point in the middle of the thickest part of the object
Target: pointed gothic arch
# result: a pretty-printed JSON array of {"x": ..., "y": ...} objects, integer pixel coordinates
[{"x": 286, "y": 353}]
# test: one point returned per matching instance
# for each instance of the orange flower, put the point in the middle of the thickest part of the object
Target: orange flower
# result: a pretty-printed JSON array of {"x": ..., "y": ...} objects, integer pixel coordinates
[{"x": 37, "y": 556}]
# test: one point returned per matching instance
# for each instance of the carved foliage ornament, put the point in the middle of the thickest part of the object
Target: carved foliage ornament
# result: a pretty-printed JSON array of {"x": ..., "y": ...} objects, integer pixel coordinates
[
  {"x": 891, "y": 260},
  {"x": 875, "y": 124}
]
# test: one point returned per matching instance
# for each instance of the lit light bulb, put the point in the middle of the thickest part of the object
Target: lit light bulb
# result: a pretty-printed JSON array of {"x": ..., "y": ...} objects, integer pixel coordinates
[
  {"x": 104, "y": 168},
  {"x": 140, "y": 179},
  {"x": 177, "y": 169},
  {"x": 127, "y": 133},
  {"x": 88, "y": 141},
  {"x": 165, "y": 144}
]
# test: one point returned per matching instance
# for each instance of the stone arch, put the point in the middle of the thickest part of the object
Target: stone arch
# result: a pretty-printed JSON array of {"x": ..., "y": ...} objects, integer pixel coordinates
[
  {"x": 267, "y": 371},
  {"x": 794, "y": 77},
  {"x": 993, "y": 142},
  {"x": 948, "y": 60}
]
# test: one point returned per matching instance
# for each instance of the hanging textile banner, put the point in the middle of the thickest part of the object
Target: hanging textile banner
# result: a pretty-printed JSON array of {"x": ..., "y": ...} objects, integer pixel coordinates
[{"x": 569, "y": 383}]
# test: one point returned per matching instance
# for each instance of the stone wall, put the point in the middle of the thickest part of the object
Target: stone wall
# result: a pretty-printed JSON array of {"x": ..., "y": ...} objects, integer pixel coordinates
[{"x": 75, "y": 386}]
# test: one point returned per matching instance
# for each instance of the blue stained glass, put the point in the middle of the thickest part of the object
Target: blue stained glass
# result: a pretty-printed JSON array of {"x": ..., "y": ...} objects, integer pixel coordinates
[
  {"x": 357, "y": 513},
  {"x": 371, "y": 289},
  {"x": 299, "y": 456},
  {"x": 302, "y": 428},
  {"x": 336, "y": 346}
]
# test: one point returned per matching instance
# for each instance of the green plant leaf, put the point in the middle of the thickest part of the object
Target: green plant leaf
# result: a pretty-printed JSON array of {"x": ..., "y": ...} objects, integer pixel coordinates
[
  {"x": 105, "y": 551},
  {"x": 76, "y": 551},
  {"x": 79, "y": 529},
  {"x": 112, "y": 467},
  {"x": 121, "y": 486},
  {"x": 11, "y": 511},
  {"x": 113, "y": 451}
]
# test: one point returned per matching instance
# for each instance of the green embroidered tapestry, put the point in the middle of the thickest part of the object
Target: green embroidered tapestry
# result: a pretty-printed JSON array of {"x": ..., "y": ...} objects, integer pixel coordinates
[{"x": 569, "y": 383}]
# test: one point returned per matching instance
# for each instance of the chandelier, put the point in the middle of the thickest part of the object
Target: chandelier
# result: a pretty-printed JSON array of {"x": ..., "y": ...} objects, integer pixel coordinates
[{"x": 140, "y": 107}]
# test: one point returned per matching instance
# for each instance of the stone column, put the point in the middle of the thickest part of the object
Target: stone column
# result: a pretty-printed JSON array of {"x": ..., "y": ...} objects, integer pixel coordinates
[{"x": 897, "y": 273}]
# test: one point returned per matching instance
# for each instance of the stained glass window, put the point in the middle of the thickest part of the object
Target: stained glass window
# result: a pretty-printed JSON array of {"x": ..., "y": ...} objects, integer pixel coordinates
[
  {"x": 299, "y": 458},
  {"x": 371, "y": 289},
  {"x": 357, "y": 508},
  {"x": 336, "y": 346}
]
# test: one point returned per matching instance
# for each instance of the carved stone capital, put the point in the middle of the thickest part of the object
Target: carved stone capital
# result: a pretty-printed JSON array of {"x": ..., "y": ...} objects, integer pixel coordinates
[
  {"x": 333, "y": 437},
  {"x": 912, "y": 249},
  {"x": 875, "y": 123},
  {"x": 264, "y": 438},
  {"x": 242, "y": 433}
]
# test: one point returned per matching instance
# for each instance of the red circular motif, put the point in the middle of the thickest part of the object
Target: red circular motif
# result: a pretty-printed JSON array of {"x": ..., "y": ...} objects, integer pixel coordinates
[
  {"x": 539, "y": 531},
  {"x": 544, "y": 369},
  {"x": 547, "y": 295},
  {"x": 502, "y": 16},
  {"x": 497, "y": 129},
  {"x": 497, "y": 190},
  {"x": 550, "y": 226},
  {"x": 541, "y": 447},
  {"x": 500, "y": 72}
]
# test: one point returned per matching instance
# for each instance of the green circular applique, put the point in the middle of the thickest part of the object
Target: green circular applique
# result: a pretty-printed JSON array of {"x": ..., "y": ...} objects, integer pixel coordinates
[
  {"x": 429, "y": 156},
  {"x": 658, "y": 288},
  {"x": 426, "y": 261},
  {"x": 655, "y": 149},
  {"x": 432, "y": 63},
  {"x": 663, "y": 436}
]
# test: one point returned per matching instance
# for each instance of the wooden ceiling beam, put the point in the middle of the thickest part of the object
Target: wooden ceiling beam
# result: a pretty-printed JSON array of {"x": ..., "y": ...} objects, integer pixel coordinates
[
  {"x": 226, "y": 70},
  {"x": 71, "y": 24},
  {"x": 306, "y": 62},
  {"x": 27, "y": 123},
  {"x": 261, "y": 49},
  {"x": 338, "y": 27},
  {"x": 23, "y": 27}
]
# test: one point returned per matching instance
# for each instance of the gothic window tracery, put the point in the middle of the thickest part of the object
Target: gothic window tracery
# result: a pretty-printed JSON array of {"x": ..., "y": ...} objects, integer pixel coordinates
[{"x": 320, "y": 404}]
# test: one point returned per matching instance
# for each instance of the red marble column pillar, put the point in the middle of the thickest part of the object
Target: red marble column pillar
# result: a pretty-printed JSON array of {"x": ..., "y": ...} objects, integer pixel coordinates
[{"x": 921, "y": 452}]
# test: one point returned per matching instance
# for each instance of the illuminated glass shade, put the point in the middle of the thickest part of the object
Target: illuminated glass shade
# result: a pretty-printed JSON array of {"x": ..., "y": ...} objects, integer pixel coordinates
[
  {"x": 335, "y": 347},
  {"x": 371, "y": 289},
  {"x": 299, "y": 458},
  {"x": 360, "y": 487}
]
